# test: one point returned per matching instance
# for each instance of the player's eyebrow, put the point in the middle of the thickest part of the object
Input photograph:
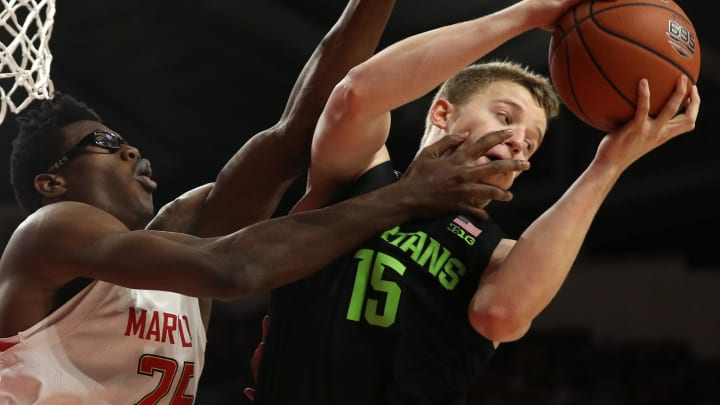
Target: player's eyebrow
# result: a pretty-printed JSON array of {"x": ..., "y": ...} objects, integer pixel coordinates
[{"x": 537, "y": 128}]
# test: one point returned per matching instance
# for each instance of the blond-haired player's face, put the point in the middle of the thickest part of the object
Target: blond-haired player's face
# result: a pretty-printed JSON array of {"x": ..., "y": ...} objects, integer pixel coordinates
[{"x": 501, "y": 105}]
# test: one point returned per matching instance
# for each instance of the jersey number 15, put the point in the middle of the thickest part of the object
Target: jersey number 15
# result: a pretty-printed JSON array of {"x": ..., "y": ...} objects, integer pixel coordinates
[{"x": 371, "y": 267}]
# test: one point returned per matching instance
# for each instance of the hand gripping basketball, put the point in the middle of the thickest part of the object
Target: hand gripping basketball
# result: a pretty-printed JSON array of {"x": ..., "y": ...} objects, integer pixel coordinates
[{"x": 600, "y": 50}]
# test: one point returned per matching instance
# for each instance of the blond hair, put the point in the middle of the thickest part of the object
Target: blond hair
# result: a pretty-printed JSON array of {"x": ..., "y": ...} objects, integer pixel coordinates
[{"x": 462, "y": 86}]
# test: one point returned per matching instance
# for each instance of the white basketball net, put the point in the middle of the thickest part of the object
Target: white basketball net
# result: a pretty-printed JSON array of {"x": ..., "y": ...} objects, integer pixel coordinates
[{"x": 25, "y": 28}]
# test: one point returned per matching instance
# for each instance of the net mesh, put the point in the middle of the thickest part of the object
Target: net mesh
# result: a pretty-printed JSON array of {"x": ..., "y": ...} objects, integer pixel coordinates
[{"x": 25, "y": 58}]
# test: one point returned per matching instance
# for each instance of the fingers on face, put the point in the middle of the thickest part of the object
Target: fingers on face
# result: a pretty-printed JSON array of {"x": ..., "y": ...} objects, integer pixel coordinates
[
  {"x": 475, "y": 149},
  {"x": 500, "y": 166},
  {"x": 452, "y": 143},
  {"x": 445, "y": 145}
]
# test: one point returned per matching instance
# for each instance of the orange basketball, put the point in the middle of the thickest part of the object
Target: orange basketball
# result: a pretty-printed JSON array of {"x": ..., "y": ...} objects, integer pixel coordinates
[{"x": 601, "y": 49}]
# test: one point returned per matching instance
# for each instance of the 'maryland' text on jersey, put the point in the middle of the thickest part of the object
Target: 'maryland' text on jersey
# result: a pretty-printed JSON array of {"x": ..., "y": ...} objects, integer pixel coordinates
[{"x": 161, "y": 327}]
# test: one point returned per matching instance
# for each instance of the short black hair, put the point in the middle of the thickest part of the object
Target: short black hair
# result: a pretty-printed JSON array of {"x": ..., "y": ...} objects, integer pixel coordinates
[{"x": 40, "y": 142}]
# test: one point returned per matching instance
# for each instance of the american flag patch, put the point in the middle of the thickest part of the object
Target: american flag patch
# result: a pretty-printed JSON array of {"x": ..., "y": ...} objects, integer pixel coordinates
[{"x": 468, "y": 226}]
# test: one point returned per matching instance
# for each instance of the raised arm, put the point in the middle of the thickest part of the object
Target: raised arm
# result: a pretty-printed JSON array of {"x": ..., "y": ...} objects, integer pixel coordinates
[
  {"x": 517, "y": 287},
  {"x": 411, "y": 68},
  {"x": 351, "y": 133},
  {"x": 251, "y": 184}
]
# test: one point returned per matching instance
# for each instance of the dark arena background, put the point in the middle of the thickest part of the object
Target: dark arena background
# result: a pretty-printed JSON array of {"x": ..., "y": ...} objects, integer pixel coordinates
[{"x": 637, "y": 322}]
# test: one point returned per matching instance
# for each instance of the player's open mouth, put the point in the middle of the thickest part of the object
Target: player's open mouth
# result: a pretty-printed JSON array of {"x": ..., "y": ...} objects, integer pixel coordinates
[
  {"x": 492, "y": 157},
  {"x": 143, "y": 174}
]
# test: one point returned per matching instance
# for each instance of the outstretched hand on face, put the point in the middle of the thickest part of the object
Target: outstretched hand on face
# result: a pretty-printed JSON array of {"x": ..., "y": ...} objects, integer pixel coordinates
[{"x": 447, "y": 177}]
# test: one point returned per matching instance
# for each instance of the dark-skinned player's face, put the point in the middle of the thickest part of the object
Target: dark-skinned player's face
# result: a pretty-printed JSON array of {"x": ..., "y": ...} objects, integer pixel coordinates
[{"x": 115, "y": 178}]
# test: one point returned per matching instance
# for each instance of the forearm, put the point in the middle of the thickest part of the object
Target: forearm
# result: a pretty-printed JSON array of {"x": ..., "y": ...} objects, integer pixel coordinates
[
  {"x": 538, "y": 264},
  {"x": 281, "y": 153},
  {"x": 416, "y": 65},
  {"x": 352, "y": 40},
  {"x": 285, "y": 249}
]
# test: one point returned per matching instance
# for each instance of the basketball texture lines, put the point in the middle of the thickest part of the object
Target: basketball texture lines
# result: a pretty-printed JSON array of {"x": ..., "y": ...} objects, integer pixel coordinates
[{"x": 601, "y": 49}]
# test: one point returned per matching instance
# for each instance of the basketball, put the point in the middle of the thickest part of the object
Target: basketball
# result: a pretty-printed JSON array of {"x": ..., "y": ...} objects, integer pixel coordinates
[{"x": 599, "y": 51}]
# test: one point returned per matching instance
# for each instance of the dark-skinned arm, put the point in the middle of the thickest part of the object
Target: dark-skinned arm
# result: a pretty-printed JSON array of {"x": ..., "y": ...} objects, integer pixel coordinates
[
  {"x": 78, "y": 240},
  {"x": 251, "y": 184}
]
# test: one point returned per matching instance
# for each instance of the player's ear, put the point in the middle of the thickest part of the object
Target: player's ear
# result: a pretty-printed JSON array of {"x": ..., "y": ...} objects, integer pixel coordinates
[
  {"x": 440, "y": 112},
  {"x": 50, "y": 185}
]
